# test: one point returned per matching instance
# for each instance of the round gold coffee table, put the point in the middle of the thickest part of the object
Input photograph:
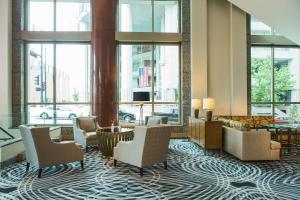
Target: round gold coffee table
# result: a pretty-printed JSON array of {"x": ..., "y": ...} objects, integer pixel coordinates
[{"x": 107, "y": 139}]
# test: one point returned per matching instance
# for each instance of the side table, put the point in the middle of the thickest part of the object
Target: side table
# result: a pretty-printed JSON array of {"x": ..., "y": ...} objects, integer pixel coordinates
[{"x": 107, "y": 139}]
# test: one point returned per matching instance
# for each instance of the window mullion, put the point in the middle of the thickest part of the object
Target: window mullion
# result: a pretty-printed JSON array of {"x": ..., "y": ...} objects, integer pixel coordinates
[
  {"x": 54, "y": 83},
  {"x": 152, "y": 77},
  {"x": 54, "y": 15},
  {"x": 273, "y": 82},
  {"x": 152, "y": 5}
]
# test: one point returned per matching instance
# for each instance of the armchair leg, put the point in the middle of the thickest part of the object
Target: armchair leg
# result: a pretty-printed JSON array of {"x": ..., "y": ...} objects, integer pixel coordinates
[
  {"x": 81, "y": 163},
  {"x": 40, "y": 172},
  {"x": 27, "y": 166},
  {"x": 86, "y": 149},
  {"x": 115, "y": 162},
  {"x": 141, "y": 171},
  {"x": 166, "y": 164}
]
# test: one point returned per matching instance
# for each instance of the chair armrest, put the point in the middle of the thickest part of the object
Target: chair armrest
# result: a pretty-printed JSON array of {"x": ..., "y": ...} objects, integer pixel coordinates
[
  {"x": 79, "y": 131},
  {"x": 98, "y": 127},
  {"x": 65, "y": 146}
]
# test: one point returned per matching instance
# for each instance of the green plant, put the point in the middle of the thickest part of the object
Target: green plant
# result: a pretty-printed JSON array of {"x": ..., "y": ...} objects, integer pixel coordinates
[
  {"x": 294, "y": 112},
  {"x": 261, "y": 81},
  {"x": 75, "y": 95}
]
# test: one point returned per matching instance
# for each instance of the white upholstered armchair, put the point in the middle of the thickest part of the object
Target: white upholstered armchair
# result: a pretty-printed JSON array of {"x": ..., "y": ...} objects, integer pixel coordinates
[
  {"x": 85, "y": 129},
  {"x": 41, "y": 152},
  {"x": 149, "y": 146}
]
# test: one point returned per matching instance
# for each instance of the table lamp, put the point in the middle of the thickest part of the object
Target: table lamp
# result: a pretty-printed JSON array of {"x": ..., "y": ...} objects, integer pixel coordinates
[
  {"x": 209, "y": 104},
  {"x": 141, "y": 97},
  {"x": 196, "y": 105}
]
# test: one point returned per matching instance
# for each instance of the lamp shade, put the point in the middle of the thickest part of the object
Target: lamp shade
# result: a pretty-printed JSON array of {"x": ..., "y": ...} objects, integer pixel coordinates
[
  {"x": 209, "y": 103},
  {"x": 141, "y": 96},
  {"x": 196, "y": 103}
]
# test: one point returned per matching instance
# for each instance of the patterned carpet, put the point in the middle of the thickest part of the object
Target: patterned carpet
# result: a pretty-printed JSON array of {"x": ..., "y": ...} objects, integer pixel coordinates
[{"x": 191, "y": 175}]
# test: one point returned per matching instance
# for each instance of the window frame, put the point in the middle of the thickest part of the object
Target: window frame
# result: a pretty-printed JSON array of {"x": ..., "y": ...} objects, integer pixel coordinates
[
  {"x": 266, "y": 41},
  {"x": 152, "y": 18},
  {"x": 152, "y": 102},
  {"x": 54, "y": 103},
  {"x": 51, "y": 37},
  {"x": 27, "y": 17},
  {"x": 153, "y": 38}
]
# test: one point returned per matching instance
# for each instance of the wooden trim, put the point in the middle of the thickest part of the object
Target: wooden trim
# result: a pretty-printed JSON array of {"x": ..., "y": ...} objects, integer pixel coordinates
[
  {"x": 148, "y": 37},
  {"x": 56, "y": 36}
]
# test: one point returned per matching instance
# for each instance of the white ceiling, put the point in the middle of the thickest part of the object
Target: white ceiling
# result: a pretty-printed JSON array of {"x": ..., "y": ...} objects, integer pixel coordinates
[{"x": 281, "y": 15}]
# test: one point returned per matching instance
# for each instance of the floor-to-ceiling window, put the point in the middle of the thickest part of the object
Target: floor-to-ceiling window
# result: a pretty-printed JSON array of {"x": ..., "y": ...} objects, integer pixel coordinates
[
  {"x": 275, "y": 75},
  {"x": 58, "y": 66},
  {"x": 150, "y": 64}
]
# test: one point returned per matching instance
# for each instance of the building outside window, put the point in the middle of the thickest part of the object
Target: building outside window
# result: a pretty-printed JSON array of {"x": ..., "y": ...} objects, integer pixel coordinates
[
  {"x": 152, "y": 67},
  {"x": 57, "y": 73},
  {"x": 275, "y": 81},
  {"x": 58, "y": 15}
]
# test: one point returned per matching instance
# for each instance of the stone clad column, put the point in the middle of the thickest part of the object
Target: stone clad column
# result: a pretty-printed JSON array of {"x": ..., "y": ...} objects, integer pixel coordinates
[{"x": 104, "y": 93}]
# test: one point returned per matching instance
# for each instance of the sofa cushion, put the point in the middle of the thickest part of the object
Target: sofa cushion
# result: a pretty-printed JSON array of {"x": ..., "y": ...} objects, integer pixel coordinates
[
  {"x": 275, "y": 145},
  {"x": 247, "y": 121},
  {"x": 238, "y": 125},
  {"x": 87, "y": 124},
  {"x": 234, "y": 124},
  {"x": 226, "y": 122},
  {"x": 261, "y": 120}
]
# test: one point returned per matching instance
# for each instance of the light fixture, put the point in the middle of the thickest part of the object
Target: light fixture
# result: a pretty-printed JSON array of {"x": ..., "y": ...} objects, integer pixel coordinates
[
  {"x": 196, "y": 105},
  {"x": 141, "y": 97},
  {"x": 209, "y": 104}
]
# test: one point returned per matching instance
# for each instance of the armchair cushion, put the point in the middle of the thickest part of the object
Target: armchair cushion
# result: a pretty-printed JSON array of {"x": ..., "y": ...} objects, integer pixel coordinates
[{"x": 87, "y": 124}]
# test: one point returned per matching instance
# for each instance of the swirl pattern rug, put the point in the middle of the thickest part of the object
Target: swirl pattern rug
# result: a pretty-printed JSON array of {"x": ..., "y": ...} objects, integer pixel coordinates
[{"x": 190, "y": 175}]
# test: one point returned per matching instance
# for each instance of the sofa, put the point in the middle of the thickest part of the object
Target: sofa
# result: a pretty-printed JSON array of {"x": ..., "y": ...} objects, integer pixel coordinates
[{"x": 247, "y": 142}]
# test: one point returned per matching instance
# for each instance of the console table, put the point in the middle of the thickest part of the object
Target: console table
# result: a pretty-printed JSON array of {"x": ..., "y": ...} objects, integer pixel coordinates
[{"x": 207, "y": 134}]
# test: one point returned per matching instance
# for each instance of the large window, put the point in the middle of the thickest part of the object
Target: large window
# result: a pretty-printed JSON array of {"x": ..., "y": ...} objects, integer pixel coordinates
[
  {"x": 151, "y": 65},
  {"x": 58, "y": 86},
  {"x": 151, "y": 68},
  {"x": 149, "y": 16},
  {"x": 57, "y": 73},
  {"x": 59, "y": 15},
  {"x": 275, "y": 86},
  {"x": 275, "y": 75}
]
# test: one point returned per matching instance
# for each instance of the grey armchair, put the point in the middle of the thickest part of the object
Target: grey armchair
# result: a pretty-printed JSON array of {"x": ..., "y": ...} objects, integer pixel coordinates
[
  {"x": 85, "y": 129},
  {"x": 41, "y": 152}
]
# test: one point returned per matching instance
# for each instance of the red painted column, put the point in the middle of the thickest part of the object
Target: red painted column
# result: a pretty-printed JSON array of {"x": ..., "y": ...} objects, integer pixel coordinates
[{"x": 104, "y": 87}]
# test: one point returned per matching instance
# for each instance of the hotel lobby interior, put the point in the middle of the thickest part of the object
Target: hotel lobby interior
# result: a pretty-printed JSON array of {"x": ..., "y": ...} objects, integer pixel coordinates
[{"x": 149, "y": 99}]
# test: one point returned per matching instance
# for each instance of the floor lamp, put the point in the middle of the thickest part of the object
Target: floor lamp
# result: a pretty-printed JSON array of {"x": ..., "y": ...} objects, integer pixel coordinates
[{"x": 141, "y": 97}]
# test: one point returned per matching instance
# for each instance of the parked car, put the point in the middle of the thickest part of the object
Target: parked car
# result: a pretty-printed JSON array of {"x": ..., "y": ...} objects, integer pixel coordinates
[
  {"x": 61, "y": 112},
  {"x": 172, "y": 116},
  {"x": 127, "y": 117},
  {"x": 281, "y": 119}
]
